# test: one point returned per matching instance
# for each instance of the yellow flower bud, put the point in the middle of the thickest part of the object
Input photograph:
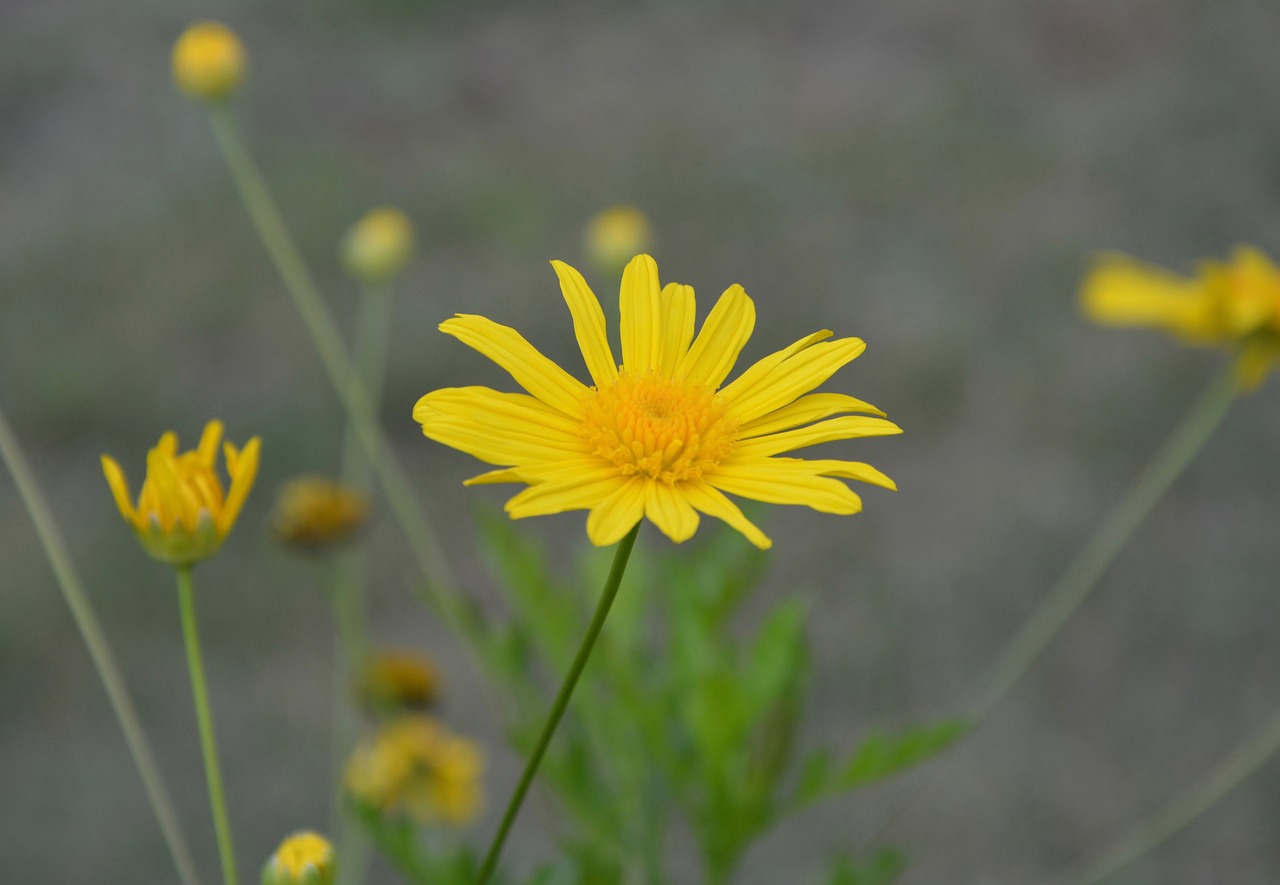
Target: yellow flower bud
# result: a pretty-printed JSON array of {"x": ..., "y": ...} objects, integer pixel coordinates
[
  {"x": 614, "y": 236},
  {"x": 413, "y": 767},
  {"x": 313, "y": 512},
  {"x": 396, "y": 681},
  {"x": 379, "y": 246},
  {"x": 182, "y": 515},
  {"x": 304, "y": 858},
  {"x": 209, "y": 61}
]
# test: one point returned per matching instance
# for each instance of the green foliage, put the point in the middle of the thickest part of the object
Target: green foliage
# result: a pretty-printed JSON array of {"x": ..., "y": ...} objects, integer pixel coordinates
[{"x": 685, "y": 712}]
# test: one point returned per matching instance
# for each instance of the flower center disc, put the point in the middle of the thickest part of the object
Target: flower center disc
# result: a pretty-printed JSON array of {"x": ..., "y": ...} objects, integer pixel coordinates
[{"x": 663, "y": 429}]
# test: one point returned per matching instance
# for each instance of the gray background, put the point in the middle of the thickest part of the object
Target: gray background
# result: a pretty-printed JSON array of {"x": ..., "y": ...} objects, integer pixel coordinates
[{"x": 930, "y": 176}]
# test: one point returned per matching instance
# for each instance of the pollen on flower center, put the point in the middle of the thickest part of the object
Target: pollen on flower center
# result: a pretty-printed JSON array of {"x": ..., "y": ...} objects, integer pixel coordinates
[{"x": 658, "y": 427}]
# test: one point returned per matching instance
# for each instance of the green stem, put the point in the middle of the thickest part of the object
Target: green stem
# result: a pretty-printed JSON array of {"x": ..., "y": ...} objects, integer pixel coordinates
[
  {"x": 1111, "y": 537},
  {"x": 1082, "y": 575},
  {"x": 1231, "y": 771},
  {"x": 561, "y": 702},
  {"x": 208, "y": 743},
  {"x": 427, "y": 550},
  {"x": 99, "y": 651}
]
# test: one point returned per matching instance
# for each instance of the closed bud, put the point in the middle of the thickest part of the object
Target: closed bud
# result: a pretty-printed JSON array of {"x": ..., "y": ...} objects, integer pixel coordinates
[
  {"x": 379, "y": 246},
  {"x": 209, "y": 61}
]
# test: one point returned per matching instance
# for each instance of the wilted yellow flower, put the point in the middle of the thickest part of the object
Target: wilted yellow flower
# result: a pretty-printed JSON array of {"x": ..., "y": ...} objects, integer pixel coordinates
[
  {"x": 616, "y": 234},
  {"x": 304, "y": 858},
  {"x": 313, "y": 512},
  {"x": 1233, "y": 304},
  {"x": 379, "y": 246},
  {"x": 209, "y": 61},
  {"x": 182, "y": 515},
  {"x": 657, "y": 436},
  {"x": 413, "y": 766},
  {"x": 393, "y": 681}
]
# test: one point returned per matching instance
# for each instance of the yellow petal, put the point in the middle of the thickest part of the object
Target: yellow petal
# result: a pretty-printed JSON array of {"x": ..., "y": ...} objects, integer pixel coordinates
[
  {"x": 119, "y": 488},
  {"x": 583, "y": 490},
  {"x": 1120, "y": 291},
  {"x": 858, "y": 470},
  {"x": 847, "y": 427},
  {"x": 678, "y": 318},
  {"x": 713, "y": 503},
  {"x": 668, "y": 509},
  {"x": 168, "y": 445},
  {"x": 617, "y": 514},
  {"x": 498, "y": 428},
  {"x": 813, "y": 407},
  {"x": 588, "y": 324},
  {"x": 208, "y": 449},
  {"x": 242, "y": 477},
  {"x": 641, "y": 316},
  {"x": 531, "y": 370},
  {"x": 493, "y": 477},
  {"x": 725, "y": 332},
  {"x": 760, "y": 370},
  {"x": 794, "y": 376},
  {"x": 783, "y": 483}
]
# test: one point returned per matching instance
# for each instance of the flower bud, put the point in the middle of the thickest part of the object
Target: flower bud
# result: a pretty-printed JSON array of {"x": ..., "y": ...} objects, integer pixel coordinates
[
  {"x": 305, "y": 858},
  {"x": 395, "y": 681},
  {"x": 379, "y": 246},
  {"x": 209, "y": 61},
  {"x": 313, "y": 512},
  {"x": 614, "y": 236}
]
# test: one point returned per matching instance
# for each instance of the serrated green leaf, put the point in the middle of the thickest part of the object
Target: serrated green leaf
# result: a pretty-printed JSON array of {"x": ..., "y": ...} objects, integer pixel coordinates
[{"x": 883, "y": 754}]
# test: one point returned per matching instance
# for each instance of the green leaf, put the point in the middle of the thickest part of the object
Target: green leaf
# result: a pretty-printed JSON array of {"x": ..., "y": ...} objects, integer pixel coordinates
[
  {"x": 883, "y": 754},
  {"x": 777, "y": 656},
  {"x": 879, "y": 870}
]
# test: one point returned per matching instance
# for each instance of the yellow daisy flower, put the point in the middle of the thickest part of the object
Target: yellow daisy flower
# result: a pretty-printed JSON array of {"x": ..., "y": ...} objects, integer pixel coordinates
[
  {"x": 305, "y": 858},
  {"x": 659, "y": 435},
  {"x": 1233, "y": 304},
  {"x": 182, "y": 515}
]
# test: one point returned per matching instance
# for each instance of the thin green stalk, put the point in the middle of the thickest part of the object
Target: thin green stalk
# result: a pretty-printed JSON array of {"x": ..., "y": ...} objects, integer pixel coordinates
[
  {"x": 561, "y": 702},
  {"x": 204, "y": 719},
  {"x": 440, "y": 582},
  {"x": 99, "y": 651},
  {"x": 1230, "y": 773},
  {"x": 1107, "y": 542},
  {"x": 1082, "y": 575}
]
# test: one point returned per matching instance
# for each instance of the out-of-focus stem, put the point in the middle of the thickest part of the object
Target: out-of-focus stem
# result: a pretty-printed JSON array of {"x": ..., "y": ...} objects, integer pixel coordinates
[
  {"x": 204, "y": 720},
  {"x": 99, "y": 651},
  {"x": 1231, "y": 771}
]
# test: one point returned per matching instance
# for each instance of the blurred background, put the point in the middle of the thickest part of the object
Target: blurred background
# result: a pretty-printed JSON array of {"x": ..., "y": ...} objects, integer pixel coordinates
[{"x": 929, "y": 176}]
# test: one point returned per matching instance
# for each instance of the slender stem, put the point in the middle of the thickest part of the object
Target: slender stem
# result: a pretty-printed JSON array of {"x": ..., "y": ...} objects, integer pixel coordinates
[
  {"x": 1230, "y": 772},
  {"x": 1106, "y": 543},
  {"x": 99, "y": 651},
  {"x": 561, "y": 702},
  {"x": 1082, "y": 575},
  {"x": 373, "y": 326},
  {"x": 208, "y": 743},
  {"x": 427, "y": 549}
]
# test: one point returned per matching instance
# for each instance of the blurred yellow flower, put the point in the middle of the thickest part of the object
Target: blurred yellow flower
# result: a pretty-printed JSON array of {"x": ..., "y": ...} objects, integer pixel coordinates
[
  {"x": 305, "y": 858},
  {"x": 657, "y": 436},
  {"x": 209, "y": 61},
  {"x": 1233, "y": 304},
  {"x": 182, "y": 515},
  {"x": 413, "y": 766},
  {"x": 378, "y": 246},
  {"x": 616, "y": 234},
  {"x": 395, "y": 681},
  {"x": 314, "y": 512}
]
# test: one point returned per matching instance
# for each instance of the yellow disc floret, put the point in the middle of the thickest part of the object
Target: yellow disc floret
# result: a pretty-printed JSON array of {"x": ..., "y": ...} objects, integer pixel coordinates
[{"x": 665, "y": 429}]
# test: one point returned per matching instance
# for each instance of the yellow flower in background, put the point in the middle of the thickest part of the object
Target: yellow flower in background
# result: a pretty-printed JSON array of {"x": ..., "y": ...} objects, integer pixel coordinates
[
  {"x": 394, "y": 681},
  {"x": 413, "y": 766},
  {"x": 182, "y": 515},
  {"x": 305, "y": 858},
  {"x": 378, "y": 247},
  {"x": 209, "y": 61},
  {"x": 659, "y": 436},
  {"x": 614, "y": 236},
  {"x": 1233, "y": 304},
  {"x": 314, "y": 512}
]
